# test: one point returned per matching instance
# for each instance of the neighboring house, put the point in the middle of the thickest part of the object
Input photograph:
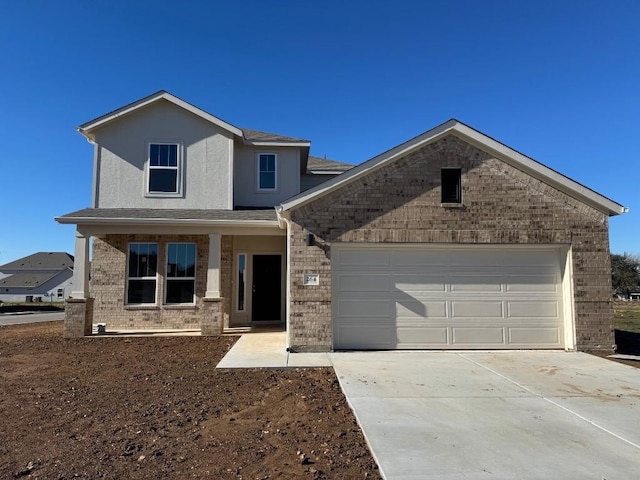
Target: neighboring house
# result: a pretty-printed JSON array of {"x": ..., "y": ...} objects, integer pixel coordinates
[
  {"x": 449, "y": 240},
  {"x": 43, "y": 276}
]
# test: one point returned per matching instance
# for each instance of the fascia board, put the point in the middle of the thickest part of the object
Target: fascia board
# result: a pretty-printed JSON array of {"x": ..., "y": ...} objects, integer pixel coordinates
[
  {"x": 277, "y": 144},
  {"x": 325, "y": 172},
  {"x": 86, "y": 128},
  {"x": 165, "y": 221}
]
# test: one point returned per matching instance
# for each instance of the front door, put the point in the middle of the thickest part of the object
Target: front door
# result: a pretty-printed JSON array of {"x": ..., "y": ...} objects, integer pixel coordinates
[{"x": 266, "y": 289}]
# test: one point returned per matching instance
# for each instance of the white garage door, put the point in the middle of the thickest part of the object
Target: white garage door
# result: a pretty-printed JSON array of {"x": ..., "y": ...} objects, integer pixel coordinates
[{"x": 418, "y": 297}]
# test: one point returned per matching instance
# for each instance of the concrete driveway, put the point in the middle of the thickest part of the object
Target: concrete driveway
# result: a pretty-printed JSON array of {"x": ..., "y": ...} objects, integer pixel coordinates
[{"x": 495, "y": 415}]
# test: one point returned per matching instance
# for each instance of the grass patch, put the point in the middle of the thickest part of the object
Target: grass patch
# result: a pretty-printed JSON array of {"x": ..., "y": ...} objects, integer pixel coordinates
[{"x": 627, "y": 316}]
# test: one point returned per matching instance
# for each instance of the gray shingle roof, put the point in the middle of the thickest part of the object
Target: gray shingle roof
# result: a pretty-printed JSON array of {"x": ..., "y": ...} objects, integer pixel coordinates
[
  {"x": 320, "y": 164},
  {"x": 41, "y": 261},
  {"x": 258, "y": 136},
  {"x": 26, "y": 280},
  {"x": 174, "y": 214}
]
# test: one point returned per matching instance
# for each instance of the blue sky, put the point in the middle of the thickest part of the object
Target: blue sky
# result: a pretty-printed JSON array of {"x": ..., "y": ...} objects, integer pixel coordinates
[{"x": 555, "y": 80}]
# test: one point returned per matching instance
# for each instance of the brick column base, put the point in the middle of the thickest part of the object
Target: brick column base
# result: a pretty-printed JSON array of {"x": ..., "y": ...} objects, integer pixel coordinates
[
  {"x": 211, "y": 323},
  {"x": 78, "y": 317}
]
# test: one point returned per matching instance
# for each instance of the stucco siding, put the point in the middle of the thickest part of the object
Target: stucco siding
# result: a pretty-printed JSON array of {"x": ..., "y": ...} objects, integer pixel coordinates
[
  {"x": 310, "y": 181},
  {"x": 400, "y": 203},
  {"x": 123, "y": 149},
  {"x": 246, "y": 193}
]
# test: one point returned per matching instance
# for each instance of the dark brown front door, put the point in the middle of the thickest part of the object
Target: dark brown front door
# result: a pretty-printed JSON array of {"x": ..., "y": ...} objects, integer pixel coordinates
[{"x": 267, "y": 288}]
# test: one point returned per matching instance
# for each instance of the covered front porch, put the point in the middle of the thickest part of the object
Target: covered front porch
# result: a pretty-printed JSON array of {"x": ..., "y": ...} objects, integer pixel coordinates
[{"x": 149, "y": 272}]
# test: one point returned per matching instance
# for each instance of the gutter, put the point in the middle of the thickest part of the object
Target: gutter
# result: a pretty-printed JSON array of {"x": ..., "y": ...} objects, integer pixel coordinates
[{"x": 165, "y": 221}]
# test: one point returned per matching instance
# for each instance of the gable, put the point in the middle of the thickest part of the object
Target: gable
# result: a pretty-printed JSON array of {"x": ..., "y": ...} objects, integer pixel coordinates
[
  {"x": 88, "y": 128},
  {"x": 401, "y": 201},
  {"x": 481, "y": 141}
]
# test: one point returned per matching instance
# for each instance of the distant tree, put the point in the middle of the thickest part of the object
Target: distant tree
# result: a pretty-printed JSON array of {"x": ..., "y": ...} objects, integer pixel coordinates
[{"x": 625, "y": 273}]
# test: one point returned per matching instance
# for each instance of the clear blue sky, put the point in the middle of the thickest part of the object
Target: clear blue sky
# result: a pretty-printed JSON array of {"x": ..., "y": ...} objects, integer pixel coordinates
[{"x": 556, "y": 80}]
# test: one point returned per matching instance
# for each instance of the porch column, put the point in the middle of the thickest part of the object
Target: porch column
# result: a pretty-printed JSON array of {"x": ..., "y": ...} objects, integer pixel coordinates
[
  {"x": 213, "y": 271},
  {"x": 80, "y": 287}
]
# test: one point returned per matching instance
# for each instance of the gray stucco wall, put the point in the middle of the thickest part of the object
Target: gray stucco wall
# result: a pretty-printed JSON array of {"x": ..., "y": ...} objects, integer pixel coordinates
[
  {"x": 310, "y": 181},
  {"x": 123, "y": 149},
  {"x": 246, "y": 192}
]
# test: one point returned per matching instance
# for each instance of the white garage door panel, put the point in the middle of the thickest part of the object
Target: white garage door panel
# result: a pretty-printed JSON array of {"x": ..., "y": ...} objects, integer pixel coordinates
[
  {"x": 364, "y": 283},
  {"x": 421, "y": 310},
  {"x": 434, "y": 337},
  {"x": 446, "y": 297},
  {"x": 365, "y": 309},
  {"x": 377, "y": 337},
  {"x": 539, "y": 309},
  {"x": 478, "y": 309},
  {"x": 477, "y": 336},
  {"x": 534, "y": 335}
]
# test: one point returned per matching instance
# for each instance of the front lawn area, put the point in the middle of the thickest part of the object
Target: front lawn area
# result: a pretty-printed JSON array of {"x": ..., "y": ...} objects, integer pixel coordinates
[
  {"x": 627, "y": 316},
  {"x": 153, "y": 408}
]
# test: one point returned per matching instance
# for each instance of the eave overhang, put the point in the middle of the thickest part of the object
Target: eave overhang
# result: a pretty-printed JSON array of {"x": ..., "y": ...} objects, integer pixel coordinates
[{"x": 480, "y": 140}]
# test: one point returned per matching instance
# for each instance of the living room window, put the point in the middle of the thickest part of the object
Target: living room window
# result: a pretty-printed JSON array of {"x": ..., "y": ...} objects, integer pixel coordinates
[
  {"x": 267, "y": 174},
  {"x": 142, "y": 273},
  {"x": 164, "y": 165},
  {"x": 451, "y": 185},
  {"x": 181, "y": 273}
]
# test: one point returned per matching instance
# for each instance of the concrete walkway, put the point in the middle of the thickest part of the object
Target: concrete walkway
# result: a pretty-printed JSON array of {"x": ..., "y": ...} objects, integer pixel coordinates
[
  {"x": 269, "y": 349},
  {"x": 498, "y": 415}
]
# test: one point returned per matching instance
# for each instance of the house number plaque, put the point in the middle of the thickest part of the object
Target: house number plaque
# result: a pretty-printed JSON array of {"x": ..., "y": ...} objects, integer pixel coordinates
[{"x": 311, "y": 279}]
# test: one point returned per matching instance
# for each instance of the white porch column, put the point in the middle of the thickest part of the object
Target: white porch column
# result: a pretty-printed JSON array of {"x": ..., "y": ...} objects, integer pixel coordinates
[
  {"x": 80, "y": 287},
  {"x": 213, "y": 271}
]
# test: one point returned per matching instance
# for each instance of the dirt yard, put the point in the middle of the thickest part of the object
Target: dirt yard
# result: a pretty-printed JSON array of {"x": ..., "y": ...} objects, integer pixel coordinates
[{"x": 141, "y": 408}]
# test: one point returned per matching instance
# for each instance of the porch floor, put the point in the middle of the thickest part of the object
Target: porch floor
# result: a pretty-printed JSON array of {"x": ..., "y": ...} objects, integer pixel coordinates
[{"x": 269, "y": 350}]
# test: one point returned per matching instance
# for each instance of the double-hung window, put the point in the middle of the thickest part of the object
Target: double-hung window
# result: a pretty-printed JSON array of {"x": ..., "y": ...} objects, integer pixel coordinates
[
  {"x": 164, "y": 164},
  {"x": 181, "y": 273},
  {"x": 142, "y": 273},
  {"x": 267, "y": 171}
]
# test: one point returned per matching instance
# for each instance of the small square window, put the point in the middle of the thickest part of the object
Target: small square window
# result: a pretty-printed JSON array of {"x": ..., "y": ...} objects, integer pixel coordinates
[
  {"x": 267, "y": 171},
  {"x": 451, "y": 185}
]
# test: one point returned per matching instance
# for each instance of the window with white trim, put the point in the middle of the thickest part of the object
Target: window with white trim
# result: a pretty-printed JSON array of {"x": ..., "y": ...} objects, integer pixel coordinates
[
  {"x": 142, "y": 273},
  {"x": 267, "y": 171},
  {"x": 163, "y": 166},
  {"x": 181, "y": 273}
]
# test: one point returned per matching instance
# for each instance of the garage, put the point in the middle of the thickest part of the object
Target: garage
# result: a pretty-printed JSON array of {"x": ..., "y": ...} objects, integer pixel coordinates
[{"x": 415, "y": 296}]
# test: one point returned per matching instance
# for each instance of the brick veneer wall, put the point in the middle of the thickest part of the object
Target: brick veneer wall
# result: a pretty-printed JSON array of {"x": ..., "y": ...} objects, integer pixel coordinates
[
  {"x": 400, "y": 203},
  {"x": 108, "y": 283}
]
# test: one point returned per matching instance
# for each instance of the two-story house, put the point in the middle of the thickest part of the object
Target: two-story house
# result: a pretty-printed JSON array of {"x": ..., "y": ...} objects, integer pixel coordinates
[{"x": 449, "y": 240}]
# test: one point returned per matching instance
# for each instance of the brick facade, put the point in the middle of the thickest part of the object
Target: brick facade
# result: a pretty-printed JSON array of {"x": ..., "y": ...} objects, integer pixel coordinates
[
  {"x": 400, "y": 203},
  {"x": 108, "y": 286}
]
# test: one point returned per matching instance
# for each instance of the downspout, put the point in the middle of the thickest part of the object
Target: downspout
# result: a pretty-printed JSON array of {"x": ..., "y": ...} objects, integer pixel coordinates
[{"x": 284, "y": 222}]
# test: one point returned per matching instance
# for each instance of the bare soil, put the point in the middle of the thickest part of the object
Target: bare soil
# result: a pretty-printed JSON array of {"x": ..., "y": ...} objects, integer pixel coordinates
[{"x": 140, "y": 408}]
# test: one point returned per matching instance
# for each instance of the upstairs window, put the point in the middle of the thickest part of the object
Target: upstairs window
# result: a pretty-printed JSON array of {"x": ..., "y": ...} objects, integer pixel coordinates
[
  {"x": 164, "y": 169},
  {"x": 451, "y": 185},
  {"x": 181, "y": 273},
  {"x": 267, "y": 164},
  {"x": 142, "y": 273}
]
